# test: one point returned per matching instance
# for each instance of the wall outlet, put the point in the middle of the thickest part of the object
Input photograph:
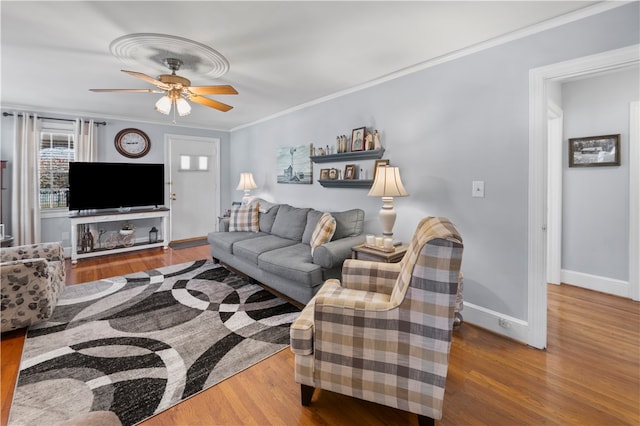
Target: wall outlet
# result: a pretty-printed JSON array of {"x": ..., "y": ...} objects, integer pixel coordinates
[
  {"x": 504, "y": 323},
  {"x": 477, "y": 188}
]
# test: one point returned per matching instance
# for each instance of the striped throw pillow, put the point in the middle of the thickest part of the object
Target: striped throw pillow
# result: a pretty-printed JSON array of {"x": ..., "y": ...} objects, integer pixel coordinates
[
  {"x": 245, "y": 218},
  {"x": 323, "y": 232}
]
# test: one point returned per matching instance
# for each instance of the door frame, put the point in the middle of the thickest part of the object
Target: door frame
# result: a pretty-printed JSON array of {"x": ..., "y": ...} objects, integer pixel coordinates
[
  {"x": 169, "y": 139},
  {"x": 538, "y": 182},
  {"x": 554, "y": 192}
]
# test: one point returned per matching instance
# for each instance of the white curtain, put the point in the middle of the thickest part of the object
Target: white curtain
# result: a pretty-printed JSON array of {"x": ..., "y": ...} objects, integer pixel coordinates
[
  {"x": 86, "y": 141},
  {"x": 25, "y": 205}
]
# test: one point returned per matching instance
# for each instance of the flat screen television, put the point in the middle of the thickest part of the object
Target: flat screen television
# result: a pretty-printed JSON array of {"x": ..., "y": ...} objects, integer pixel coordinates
[{"x": 94, "y": 186}]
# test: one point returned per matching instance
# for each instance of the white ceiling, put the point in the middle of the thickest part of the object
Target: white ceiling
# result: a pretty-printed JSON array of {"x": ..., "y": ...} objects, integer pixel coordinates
[{"x": 282, "y": 54}]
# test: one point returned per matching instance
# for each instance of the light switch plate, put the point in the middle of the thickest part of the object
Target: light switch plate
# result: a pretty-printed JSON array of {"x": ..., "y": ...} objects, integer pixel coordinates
[{"x": 478, "y": 188}]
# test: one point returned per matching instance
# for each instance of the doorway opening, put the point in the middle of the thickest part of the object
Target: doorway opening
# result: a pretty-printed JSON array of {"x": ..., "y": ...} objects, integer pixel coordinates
[{"x": 539, "y": 80}]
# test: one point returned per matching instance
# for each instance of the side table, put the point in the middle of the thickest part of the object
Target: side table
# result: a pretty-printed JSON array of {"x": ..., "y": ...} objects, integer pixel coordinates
[
  {"x": 365, "y": 253},
  {"x": 223, "y": 223},
  {"x": 7, "y": 241}
]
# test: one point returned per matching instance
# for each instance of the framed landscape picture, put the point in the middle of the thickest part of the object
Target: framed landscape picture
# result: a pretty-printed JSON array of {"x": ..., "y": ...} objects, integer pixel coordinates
[
  {"x": 294, "y": 165},
  {"x": 594, "y": 151}
]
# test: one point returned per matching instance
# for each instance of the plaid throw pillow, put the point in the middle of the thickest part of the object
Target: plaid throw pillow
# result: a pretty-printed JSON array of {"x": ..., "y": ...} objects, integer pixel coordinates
[
  {"x": 245, "y": 218},
  {"x": 323, "y": 232}
]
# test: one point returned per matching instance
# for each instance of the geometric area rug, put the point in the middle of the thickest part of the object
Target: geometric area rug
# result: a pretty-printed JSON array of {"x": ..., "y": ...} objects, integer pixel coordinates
[{"x": 138, "y": 344}]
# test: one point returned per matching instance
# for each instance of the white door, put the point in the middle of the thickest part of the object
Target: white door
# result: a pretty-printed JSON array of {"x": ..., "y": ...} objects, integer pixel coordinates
[{"x": 192, "y": 172}]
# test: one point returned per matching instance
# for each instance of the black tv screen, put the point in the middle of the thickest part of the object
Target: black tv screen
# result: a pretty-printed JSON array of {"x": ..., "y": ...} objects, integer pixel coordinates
[{"x": 115, "y": 185}]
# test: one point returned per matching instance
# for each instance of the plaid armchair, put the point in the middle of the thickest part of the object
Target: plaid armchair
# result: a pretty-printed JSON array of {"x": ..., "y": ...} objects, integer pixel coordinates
[
  {"x": 383, "y": 334},
  {"x": 33, "y": 278}
]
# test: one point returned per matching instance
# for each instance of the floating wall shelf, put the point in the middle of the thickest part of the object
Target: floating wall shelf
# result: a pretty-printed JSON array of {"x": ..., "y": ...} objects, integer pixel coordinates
[
  {"x": 346, "y": 183},
  {"x": 348, "y": 156}
]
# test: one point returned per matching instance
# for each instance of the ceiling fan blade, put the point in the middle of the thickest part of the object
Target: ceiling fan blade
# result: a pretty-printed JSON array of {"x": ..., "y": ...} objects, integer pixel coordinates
[
  {"x": 210, "y": 103},
  {"x": 148, "y": 79},
  {"x": 213, "y": 90},
  {"x": 128, "y": 90}
]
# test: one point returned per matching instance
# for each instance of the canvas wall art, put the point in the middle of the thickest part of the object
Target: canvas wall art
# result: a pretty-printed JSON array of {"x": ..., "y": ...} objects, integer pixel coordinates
[{"x": 294, "y": 165}]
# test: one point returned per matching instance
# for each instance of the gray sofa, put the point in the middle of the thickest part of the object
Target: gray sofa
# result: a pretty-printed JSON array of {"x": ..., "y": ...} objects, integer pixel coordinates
[{"x": 279, "y": 255}]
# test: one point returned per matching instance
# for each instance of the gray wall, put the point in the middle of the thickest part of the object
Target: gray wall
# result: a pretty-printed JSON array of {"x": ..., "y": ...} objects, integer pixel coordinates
[
  {"x": 58, "y": 228},
  {"x": 595, "y": 237},
  {"x": 444, "y": 127}
]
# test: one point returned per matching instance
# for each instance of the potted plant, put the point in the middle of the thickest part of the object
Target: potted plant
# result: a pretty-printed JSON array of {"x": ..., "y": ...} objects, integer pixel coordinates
[{"x": 127, "y": 228}]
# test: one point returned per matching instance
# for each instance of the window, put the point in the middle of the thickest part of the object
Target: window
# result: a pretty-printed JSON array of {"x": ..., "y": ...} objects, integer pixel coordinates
[
  {"x": 201, "y": 162},
  {"x": 56, "y": 151}
]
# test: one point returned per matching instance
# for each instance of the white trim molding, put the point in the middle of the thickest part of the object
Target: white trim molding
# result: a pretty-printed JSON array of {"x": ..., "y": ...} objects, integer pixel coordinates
[
  {"x": 538, "y": 104},
  {"x": 634, "y": 201},
  {"x": 496, "y": 322},
  {"x": 595, "y": 282}
]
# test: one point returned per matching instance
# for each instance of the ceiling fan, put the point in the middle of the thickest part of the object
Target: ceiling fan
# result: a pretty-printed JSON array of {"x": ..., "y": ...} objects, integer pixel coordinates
[{"x": 177, "y": 90}]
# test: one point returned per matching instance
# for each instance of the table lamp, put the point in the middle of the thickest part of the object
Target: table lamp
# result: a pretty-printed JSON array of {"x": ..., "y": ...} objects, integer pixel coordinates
[
  {"x": 246, "y": 184},
  {"x": 387, "y": 184}
]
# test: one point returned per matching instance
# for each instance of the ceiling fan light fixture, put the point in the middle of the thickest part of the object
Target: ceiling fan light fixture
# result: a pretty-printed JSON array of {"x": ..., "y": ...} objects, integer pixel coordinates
[
  {"x": 164, "y": 105},
  {"x": 183, "y": 107}
]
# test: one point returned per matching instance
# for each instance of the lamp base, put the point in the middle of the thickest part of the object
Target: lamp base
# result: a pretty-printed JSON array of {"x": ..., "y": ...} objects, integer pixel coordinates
[
  {"x": 247, "y": 198},
  {"x": 387, "y": 216}
]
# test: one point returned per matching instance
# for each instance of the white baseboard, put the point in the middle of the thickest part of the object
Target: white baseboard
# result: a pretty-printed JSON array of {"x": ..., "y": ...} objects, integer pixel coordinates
[
  {"x": 597, "y": 283},
  {"x": 514, "y": 328}
]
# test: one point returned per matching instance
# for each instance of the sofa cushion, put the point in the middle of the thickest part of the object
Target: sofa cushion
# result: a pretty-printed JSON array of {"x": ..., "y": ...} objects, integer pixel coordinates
[
  {"x": 264, "y": 205},
  {"x": 293, "y": 263},
  {"x": 244, "y": 218},
  {"x": 267, "y": 218},
  {"x": 312, "y": 220},
  {"x": 349, "y": 223},
  {"x": 290, "y": 222},
  {"x": 249, "y": 250},
  {"x": 224, "y": 241},
  {"x": 325, "y": 229}
]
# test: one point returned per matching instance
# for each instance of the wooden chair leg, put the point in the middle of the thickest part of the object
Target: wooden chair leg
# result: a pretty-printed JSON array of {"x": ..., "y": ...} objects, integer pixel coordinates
[
  {"x": 306, "y": 393},
  {"x": 425, "y": 421}
]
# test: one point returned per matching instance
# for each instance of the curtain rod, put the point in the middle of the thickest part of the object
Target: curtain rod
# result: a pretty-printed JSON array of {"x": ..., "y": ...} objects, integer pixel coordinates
[{"x": 97, "y": 123}]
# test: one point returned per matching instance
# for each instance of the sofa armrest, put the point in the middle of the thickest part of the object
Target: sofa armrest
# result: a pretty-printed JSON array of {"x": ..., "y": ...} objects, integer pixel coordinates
[
  {"x": 366, "y": 275},
  {"x": 333, "y": 253},
  {"x": 30, "y": 291},
  {"x": 49, "y": 251},
  {"x": 333, "y": 297},
  {"x": 223, "y": 224}
]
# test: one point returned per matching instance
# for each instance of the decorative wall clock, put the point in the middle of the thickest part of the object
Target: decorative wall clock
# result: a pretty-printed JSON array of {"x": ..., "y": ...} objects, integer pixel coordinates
[{"x": 132, "y": 143}]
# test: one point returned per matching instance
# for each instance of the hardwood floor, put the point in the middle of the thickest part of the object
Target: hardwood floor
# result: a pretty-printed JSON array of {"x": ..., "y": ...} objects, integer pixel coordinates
[{"x": 589, "y": 375}]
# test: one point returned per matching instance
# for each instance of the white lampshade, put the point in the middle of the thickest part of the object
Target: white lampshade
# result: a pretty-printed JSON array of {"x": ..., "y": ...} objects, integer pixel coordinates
[
  {"x": 387, "y": 185},
  {"x": 246, "y": 184},
  {"x": 183, "y": 107},
  {"x": 164, "y": 105}
]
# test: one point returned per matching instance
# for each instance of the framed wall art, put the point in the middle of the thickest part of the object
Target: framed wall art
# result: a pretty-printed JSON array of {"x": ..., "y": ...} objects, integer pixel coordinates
[
  {"x": 594, "y": 151},
  {"x": 324, "y": 174},
  {"x": 350, "y": 171},
  {"x": 294, "y": 165},
  {"x": 379, "y": 163},
  {"x": 357, "y": 139}
]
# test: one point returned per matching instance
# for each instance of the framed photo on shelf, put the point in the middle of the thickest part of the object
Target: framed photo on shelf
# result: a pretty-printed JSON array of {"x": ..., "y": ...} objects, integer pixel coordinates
[
  {"x": 594, "y": 151},
  {"x": 324, "y": 174},
  {"x": 333, "y": 174},
  {"x": 357, "y": 139},
  {"x": 378, "y": 164},
  {"x": 350, "y": 171}
]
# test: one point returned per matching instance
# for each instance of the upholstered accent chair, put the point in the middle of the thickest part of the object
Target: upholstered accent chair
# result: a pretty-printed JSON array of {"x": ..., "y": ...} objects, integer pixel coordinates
[
  {"x": 33, "y": 278},
  {"x": 383, "y": 333}
]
